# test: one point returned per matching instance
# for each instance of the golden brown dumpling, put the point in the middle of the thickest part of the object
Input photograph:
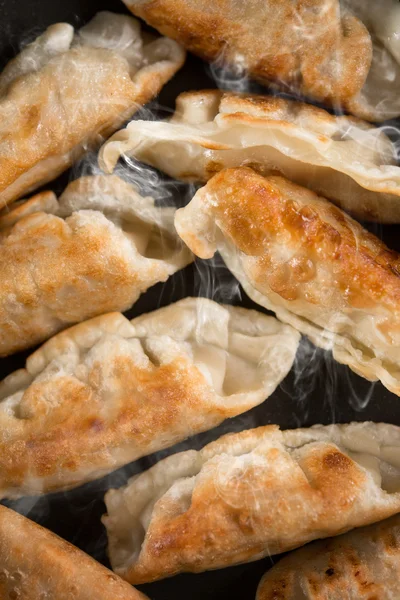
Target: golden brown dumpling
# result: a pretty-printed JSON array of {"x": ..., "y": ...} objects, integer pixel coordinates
[
  {"x": 300, "y": 256},
  {"x": 252, "y": 494},
  {"x": 65, "y": 92},
  {"x": 108, "y": 391},
  {"x": 321, "y": 49},
  {"x": 35, "y": 564},
  {"x": 361, "y": 565},
  {"x": 94, "y": 250}
]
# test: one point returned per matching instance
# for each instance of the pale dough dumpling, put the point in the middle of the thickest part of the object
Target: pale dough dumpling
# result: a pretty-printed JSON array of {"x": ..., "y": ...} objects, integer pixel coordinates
[
  {"x": 35, "y": 564},
  {"x": 361, "y": 565},
  {"x": 302, "y": 257},
  {"x": 109, "y": 391},
  {"x": 252, "y": 494},
  {"x": 344, "y": 53},
  {"x": 344, "y": 159},
  {"x": 94, "y": 250},
  {"x": 67, "y": 91}
]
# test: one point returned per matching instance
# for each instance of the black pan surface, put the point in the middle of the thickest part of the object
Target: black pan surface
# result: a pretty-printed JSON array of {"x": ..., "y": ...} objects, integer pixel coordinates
[{"x": 318, "y": 390}]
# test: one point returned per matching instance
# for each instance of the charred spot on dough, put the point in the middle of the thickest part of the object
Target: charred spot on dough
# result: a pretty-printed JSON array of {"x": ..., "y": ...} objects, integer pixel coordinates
[
  {"x": 337, "y": 461},
  {"x": 278, "y": 591},
  {"x": 96, "y": 425}
]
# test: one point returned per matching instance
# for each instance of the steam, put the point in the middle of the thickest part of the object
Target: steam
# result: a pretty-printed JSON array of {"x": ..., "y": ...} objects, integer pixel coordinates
[
  {"x": 233, "y": 77},
  {"x": 393, "y": 133},
  {"x": 215, "y": 281}
]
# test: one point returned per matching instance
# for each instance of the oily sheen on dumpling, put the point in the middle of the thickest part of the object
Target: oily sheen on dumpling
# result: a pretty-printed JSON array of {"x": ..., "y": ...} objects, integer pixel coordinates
[
  {"x": 252, "y": 494},
  {"x": 94, "y": 250},
  {"x": 359, "y": 565},
  {"x": 300, "y": 256},
  {"x": 66, "y": 91},
  {"x": 109, "y": 391},
  {"x": 343, "y": 53},
  {"x": 344, "y": 159},
  {"x": 36, "y": 564}
]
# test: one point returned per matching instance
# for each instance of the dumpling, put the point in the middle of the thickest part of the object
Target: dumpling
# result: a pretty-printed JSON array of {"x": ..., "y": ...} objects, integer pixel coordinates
[
  {"x": 320, "y": 50},
  {"x": 65, "y": 92},
  {"x": 252, "y": 494},
  {"x": 342, "y": 158},
  {"x": 94, "y": 250},
  {"x": 36, "y": 564},
  {"x": 382, "y": 19},
  {"x": 300, "y": 256},
  {"x": 362, "y": 564},
  {"x": 109, "y": 391},
  {"x": 377, "y": 100}
]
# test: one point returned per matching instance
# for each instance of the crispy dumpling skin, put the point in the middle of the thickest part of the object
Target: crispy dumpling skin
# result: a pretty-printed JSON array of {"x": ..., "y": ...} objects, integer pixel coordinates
[
  {"x": 65, "y": 92},
  {"x": 320, "y": 50},
  {"x": 302, "y": 257},
  {"x": 360, "y": 565},
  {"x": 341, "y": 158},
  {"x": 36, "y": 564},
  {"x": 94, "y": 250},
  {"x": 108, "y": 391},
  {"x": 252, "y": 494}
]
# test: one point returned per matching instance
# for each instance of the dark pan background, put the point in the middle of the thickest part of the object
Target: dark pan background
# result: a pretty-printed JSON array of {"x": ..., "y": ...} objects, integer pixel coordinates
[{"x": 317, "y": 390}]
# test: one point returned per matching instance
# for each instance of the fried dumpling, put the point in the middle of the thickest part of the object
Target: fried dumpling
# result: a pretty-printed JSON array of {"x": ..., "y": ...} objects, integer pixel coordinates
[
  {"x": 300, "y": 256},
  {"x": 36, "y": 564},
  {"x": 361, "y": 565},
  {"x": 382, "y": 19},
  {"x": 252, "y": 494},
  {"x": 65, "y": 92},
  {"x": 108, "y": 391},
  {"x": 94, "y": 250},
  {"x": 321, "y": 50},
  {"x": 342, "y": 158}
]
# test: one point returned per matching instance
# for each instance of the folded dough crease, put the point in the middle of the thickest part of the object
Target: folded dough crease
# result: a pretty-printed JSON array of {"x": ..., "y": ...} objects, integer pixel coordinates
[
  {"x": 359, "y": 565},
  {"x": 344, "y": 159},
  {"x": 66, "y": 92},
  {"x": 300, "y": 256},
  {"x": 326, "y": 50},
  {"x": 36, "y": 564},
  {"x": 252, "y": 494},
  {"x": 94, "y": 250},
  {"x": 108, "y": 391}
]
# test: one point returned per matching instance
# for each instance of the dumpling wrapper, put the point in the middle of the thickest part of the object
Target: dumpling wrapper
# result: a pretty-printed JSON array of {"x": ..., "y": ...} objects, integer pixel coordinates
[
  {"x": 94, "y": 250},
  {"x": 108, "y": 391},
  {"x": 67, "y": 91},
  {"x": 362, "y": 564},
  {"x": 36, "y": 564},
  {"x": 303, "y": 258},
  {"x": 252, "y": 494},
  {"x": 344, "y": 159},
  {"x": 319, "y": 50}
]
